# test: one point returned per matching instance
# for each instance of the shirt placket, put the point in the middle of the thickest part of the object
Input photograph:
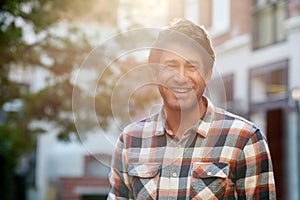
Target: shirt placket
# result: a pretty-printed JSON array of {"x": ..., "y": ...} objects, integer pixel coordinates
[{"x": 174, "y": 169}]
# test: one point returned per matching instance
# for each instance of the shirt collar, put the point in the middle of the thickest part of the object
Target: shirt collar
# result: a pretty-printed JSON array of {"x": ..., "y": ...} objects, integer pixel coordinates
[
  {"x": 202, "y": 126},
  {"x": 160, "y": 122}
]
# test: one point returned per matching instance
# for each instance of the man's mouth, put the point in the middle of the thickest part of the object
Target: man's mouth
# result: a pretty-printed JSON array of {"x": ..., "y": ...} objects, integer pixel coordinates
[{"x": 180, "y": 90}]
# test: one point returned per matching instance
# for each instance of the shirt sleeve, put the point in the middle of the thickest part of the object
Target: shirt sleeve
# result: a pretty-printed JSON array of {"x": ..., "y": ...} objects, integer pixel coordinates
[
  {"x": 255, "y": 177},
  {"x": 118, "y": 177}
]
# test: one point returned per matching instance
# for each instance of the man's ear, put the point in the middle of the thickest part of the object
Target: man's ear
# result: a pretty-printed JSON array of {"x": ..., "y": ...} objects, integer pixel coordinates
[{"x": 208, "y": 75}]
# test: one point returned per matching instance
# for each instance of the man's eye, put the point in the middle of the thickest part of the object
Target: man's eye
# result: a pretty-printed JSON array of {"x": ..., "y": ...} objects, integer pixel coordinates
[
  {"x": 192, "y": 67},
  {"x": 169, "y": 67}
]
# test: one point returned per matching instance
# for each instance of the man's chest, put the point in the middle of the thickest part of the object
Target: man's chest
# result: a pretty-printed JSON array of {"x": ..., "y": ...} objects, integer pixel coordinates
[{"x": 192, "y": 168}]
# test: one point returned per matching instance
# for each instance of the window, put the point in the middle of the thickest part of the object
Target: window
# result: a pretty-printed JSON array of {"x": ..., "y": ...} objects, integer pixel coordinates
[
  {"x": 268, "y": 83},
  {"x": 268, "y": 22},
  {"x": 220, "y": 16}
]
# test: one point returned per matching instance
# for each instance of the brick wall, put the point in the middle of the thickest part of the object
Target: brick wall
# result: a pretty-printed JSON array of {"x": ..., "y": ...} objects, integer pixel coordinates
[{"x": 71, "y": 188}]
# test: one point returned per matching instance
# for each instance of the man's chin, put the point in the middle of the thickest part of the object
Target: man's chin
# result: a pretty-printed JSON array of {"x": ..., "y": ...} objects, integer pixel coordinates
[{"x": 182, "y": 107}]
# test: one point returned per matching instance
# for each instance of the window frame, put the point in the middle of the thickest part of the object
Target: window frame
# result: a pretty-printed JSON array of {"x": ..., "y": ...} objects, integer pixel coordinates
[
  {"x": 266, "y": 70},
  {"x": 257, "y": 13}
]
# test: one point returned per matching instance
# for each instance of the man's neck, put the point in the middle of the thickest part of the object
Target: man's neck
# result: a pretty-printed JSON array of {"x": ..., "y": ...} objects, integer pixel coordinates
[{"x": 179, "y": 121}]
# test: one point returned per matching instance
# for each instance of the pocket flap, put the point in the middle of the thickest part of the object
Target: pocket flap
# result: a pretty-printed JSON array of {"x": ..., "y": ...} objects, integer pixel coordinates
[
  {"x": 143, "y": 170},
  {"x": 207, "y": 170}
]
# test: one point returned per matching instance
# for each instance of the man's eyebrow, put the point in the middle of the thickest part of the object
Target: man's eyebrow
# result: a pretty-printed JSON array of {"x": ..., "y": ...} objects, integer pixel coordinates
[
  {"x": 188, "y": 62},
  {"x": 168, "y": 60},
  {"x": 193, "y": 62}
]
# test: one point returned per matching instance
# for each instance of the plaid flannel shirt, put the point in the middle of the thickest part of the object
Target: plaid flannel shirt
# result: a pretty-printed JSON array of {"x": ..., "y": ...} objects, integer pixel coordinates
[{"x": 222, "y": 157}]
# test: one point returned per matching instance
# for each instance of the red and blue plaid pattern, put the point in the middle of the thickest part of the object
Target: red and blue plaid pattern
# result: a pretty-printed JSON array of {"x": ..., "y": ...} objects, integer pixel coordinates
[{"x": 222, "y": 157}]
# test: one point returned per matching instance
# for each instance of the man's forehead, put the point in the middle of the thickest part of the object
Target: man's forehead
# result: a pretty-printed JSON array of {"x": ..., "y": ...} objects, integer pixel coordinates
[
  {"x": 183, "y": 52},
  {"x": 172, "y": 58}
]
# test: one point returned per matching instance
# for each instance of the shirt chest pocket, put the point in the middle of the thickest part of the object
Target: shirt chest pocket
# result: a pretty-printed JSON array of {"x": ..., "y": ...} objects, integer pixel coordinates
[
  {"x": 208, "y": 180},
  {"x": 145, "y": 178}
]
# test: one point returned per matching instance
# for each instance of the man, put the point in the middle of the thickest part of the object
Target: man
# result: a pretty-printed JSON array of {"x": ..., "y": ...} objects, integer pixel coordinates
[{"x": 190, "y": 149}]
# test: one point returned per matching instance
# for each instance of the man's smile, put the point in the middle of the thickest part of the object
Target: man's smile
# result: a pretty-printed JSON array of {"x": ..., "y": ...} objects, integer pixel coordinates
[{"x": 180, "y": 90}]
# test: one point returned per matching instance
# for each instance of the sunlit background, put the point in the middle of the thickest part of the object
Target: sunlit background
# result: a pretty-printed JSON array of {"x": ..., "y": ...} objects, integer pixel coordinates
[{"x": 45, "y": 44}]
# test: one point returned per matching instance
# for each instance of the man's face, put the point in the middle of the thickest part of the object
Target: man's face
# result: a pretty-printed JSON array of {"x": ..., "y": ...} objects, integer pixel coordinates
[{"x": 181, "y": 77}]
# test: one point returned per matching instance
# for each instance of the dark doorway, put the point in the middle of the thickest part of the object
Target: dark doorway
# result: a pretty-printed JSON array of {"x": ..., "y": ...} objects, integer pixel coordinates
[
  {"x": 93, "y": 197},
  {"x": 275, "y": 135}
]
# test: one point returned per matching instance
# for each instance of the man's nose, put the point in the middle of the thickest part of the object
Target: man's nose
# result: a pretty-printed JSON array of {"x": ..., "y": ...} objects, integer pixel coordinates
[{"x": 180, "y": 75}]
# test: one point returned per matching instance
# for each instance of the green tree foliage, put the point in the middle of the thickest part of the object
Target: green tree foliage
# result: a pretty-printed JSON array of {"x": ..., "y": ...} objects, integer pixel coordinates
[{"x": 30, "y": 40}]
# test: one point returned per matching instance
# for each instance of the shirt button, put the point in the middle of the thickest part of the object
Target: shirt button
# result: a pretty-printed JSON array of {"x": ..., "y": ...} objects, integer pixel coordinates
[
  {"x": 208, "y": 173},
  {"x": 174, "y": 174}
]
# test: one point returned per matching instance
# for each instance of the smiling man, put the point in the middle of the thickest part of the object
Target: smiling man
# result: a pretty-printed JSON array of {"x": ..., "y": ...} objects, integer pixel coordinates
[{"x": 190, "y": 149}]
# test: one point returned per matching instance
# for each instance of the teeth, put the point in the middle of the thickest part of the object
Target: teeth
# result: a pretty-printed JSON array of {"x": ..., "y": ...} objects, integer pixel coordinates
[{"x": 180, "y": 90}]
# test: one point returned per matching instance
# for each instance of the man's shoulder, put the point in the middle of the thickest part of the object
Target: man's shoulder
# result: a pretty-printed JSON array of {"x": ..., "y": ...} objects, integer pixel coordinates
[
  {"x": 235, "y": 121},
  {"x": 224, "y": 118},
  {"x": 237, "y": 128}
]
